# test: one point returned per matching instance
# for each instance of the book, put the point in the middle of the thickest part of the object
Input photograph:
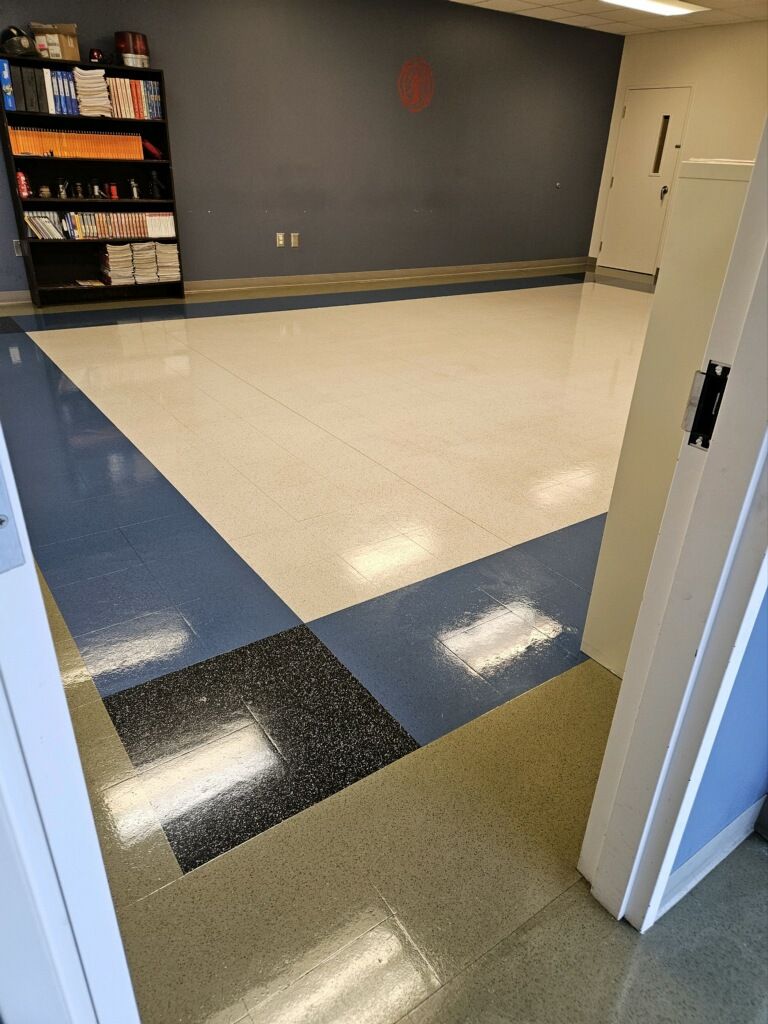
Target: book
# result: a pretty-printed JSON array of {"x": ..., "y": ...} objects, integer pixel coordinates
[
  {"x": 49, "y": 98},
  {"x": 30, "y": 89},
  {"x": 6, "y": 84},
  {"x": 18, "y": 88},
  {"x": 42, "y": 98}
]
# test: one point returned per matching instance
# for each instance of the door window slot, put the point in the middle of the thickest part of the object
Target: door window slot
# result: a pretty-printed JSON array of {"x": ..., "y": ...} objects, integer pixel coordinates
[{"x": 660, "y": 144}]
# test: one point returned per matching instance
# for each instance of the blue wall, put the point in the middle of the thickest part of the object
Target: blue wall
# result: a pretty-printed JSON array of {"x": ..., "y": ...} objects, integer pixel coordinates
[{"x": 737, "y": 773}]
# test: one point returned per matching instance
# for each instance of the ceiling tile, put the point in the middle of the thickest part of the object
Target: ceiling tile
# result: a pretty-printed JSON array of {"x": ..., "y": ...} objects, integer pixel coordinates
[
  {"x": 594, "y": 7},
  {"x": 509, "y": 6},
  {"x": 545, "y": 13},
  {"x": 583, "y": 20}
]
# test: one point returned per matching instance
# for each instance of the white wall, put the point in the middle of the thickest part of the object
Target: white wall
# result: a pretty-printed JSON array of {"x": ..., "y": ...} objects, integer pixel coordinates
[{"x": 727, "y": 68}]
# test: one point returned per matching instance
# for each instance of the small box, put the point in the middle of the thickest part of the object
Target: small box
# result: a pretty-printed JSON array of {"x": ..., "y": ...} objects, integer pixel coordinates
[{"x": 56, "y": 42}]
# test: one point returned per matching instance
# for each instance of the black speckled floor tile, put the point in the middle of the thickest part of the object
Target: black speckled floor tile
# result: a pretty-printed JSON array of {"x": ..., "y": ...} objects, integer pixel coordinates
[{"x": 234, "y": 745}]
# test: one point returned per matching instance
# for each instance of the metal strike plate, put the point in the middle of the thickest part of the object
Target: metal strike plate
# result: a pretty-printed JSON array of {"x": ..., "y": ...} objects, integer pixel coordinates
[
  {"x": 11, "y": 555},
  {"x": 704, "y": 404}
]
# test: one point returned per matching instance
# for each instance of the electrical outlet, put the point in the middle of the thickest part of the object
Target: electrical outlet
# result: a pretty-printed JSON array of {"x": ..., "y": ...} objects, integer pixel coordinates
[
  {"x": 295, "y": 239},
  {"x": 280, "y": 239},
  {"x": 16, "y": 247}
]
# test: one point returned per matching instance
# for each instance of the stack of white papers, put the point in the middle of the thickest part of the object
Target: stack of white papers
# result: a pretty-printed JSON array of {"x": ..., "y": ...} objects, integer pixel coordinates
[
  {"x": 168, "y": 268},
  {"x": 144, "y": 262},
  {"x": 118, "y": 265},
  {"x": 92, "y": 94}
]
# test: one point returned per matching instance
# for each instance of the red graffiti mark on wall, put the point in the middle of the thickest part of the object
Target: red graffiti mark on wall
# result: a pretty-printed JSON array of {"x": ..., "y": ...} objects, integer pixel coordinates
[{"x": 416, "y": 84}]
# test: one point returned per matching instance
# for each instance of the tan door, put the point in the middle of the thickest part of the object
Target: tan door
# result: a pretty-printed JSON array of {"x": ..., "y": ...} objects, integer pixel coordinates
[{"x": 643, "y": 175}]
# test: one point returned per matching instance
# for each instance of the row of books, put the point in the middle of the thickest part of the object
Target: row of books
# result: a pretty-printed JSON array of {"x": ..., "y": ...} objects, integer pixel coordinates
[
  {"x": 141, "y": 263},
  {"x": 87, "y": 145},
  {"x": 54, "y": 224},
  {"x": 87, "y": 92},
  {"x": 135, "y": 97}
]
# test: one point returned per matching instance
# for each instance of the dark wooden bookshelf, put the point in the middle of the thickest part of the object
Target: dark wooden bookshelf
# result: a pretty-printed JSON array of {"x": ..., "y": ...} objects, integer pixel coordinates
[{"x": 53, "y": 265}]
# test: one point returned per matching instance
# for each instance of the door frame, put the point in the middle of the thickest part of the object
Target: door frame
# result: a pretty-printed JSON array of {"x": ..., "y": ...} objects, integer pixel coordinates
[
  {"x": 678, "y": 158},
  {"x": 704, "y": 588},
  {"x": 70, "y": 966}
]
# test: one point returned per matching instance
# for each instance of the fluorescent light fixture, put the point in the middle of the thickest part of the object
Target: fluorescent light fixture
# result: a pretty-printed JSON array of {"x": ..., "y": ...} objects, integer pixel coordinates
[{"x": 667, "y": 8}]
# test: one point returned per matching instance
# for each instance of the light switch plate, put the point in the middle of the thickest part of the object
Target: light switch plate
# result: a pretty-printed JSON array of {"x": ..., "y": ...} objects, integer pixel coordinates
[
  {"x": 280, "y": 239},
  {"x": 295, "y": 239}
]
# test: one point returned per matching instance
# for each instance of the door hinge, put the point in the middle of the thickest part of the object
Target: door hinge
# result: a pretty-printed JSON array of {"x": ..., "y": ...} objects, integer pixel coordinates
[
  {"x": 600, "y": 249},
  {"x": 704, "y": 403},
  {"x": 623, "y": 113},
  {"x": 611, "y": 185}
]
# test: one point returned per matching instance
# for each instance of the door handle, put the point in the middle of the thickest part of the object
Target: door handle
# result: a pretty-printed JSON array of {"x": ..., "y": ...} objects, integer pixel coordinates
[{"x": 664, "y": 190}]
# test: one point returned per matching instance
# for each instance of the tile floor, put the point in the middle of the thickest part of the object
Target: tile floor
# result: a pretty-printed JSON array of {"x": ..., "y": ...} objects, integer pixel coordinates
[
  {"x": 283, "y": 545},
  {"x": 346, "y": 451},
  {"x": 197, "y": 484},
  {"x": 435, "y": 890}
]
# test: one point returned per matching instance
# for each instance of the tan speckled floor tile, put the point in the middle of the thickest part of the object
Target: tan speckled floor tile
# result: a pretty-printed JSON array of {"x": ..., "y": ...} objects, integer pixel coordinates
[
  {"x": 459, "y": 843},
  {"x": 703, "y": 963},
  {"x": 137, "y": 855},
  {"x": 249, "y": 923},
  {"x": 78, "y": 685}
]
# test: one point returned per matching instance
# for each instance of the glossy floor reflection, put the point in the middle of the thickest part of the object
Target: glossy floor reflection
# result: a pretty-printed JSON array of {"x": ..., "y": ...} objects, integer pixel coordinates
[{"x": 347, "y": 450}]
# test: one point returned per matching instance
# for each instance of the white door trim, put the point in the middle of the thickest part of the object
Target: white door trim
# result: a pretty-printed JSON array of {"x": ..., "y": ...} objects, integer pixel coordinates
[
  {"x": 691, "y": 628},
  {"x": 62, "y": 902}
]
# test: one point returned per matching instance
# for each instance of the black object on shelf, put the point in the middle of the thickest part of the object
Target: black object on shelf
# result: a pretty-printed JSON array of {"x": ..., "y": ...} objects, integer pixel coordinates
[{"x": 53, "y": 270}]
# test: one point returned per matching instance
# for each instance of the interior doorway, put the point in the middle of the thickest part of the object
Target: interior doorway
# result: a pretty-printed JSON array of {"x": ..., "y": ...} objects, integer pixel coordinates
[{"x": 644, "y": 171}]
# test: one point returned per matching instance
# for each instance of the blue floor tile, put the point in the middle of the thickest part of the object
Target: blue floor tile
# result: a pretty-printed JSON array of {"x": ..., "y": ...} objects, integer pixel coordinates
[
  {"x": 82, "y": 558},
  {"x": 171, "y": 536},
  {"x": 93, "y": 604},
  {"x": 426, "y": 688},
  {"x": 225, "y": 620},
  {"x": 571, "y": 552},
  {"x": 205, "y": 570},
  {"x": 441, "y": 652},
  {"x": 140, "y": 649}
]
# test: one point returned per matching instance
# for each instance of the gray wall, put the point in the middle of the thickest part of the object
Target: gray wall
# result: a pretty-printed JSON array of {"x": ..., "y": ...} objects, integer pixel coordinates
[{"x": 285, "y": 116}]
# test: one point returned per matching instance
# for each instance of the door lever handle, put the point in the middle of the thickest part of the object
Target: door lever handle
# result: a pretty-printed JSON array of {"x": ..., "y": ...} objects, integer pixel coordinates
[{"x": 664, "y": 190}]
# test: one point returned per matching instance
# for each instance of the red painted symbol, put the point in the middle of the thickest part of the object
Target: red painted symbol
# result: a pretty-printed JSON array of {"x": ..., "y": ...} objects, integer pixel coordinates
[{"x": 416, "y": 84}]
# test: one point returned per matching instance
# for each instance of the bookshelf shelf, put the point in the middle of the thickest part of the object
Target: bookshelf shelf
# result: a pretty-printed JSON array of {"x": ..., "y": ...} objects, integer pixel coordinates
[
  {"x": 90, "y": 159},
  {"x": 15, "y": 116},
  {"x": 35, "y": 202},
  {"x": 95, "y": 241},
  {"x": 54, "y": 265}
]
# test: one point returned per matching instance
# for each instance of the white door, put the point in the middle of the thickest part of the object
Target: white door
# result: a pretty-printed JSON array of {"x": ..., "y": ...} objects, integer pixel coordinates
[
  {"x": 705, "y": 585},
  {"x": 61, "y": 957},
  {"x": 643, "y": 174}
]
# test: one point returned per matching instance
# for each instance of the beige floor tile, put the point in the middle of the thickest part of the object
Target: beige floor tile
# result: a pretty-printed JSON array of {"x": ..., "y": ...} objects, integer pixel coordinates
[{"x": 505, "y": 409}]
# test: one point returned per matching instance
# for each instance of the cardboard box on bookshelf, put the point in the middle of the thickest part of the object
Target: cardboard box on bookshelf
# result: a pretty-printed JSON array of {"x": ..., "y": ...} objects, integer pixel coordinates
[{"x": 56, "y": 42}]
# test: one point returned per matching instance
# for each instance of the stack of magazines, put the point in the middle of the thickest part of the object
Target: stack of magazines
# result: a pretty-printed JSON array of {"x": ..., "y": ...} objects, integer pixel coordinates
[
  {"x": 168, "y": 268},
  {"x": 92, "y": 94},
  {"x": 118, "y": 265},
  {"x": 144, "y": 262}
]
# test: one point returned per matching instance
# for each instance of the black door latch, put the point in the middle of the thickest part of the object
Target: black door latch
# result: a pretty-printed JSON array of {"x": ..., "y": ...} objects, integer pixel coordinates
[{"x": 704, "y": 404}]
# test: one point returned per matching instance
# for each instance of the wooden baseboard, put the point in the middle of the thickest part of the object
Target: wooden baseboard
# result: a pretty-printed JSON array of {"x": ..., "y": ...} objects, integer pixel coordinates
[
  {"x": 6, "y": 298},
  {"x": 480, "y": 271}
]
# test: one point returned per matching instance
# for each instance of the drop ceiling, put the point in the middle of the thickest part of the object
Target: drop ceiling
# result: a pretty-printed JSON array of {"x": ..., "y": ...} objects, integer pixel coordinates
[{"x": 604, "y": 17}]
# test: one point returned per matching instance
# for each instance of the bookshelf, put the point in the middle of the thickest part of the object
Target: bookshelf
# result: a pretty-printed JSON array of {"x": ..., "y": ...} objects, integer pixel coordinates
[{"x": 54, "y": 265}]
